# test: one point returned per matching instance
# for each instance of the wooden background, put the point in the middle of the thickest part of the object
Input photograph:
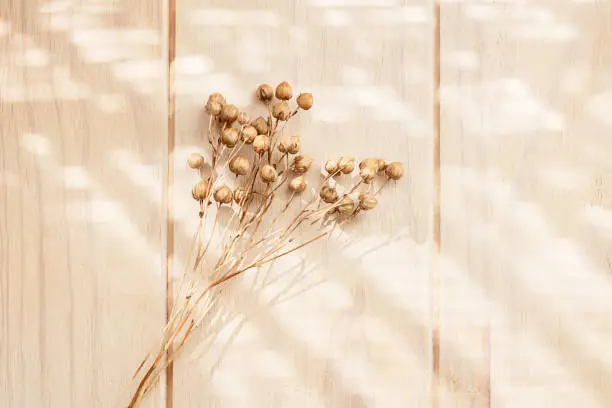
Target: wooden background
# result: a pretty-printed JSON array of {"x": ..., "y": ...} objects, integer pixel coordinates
[{"x": 482, "y": 279}]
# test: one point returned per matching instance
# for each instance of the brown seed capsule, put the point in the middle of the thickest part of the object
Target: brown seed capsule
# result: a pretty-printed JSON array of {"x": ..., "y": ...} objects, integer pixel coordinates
[
  {"x": 213, "y": 108},
  {"x": 302, "y": 163},
  {"x": 284, "y": 91},
  {"x": 290, "y": 144},
  {"x": 281, "y": 110},
  {"x": 243, "y": 118},
  {"x": 265, "y": 92},
  {"x": 249, "y": 133},
  {"x": 328, "y": 194},
  {"x": 297, "y": 185},
  {"x": 346, "y": 164},
  {"x": 394, "y": 170},
  {"x": 268, "y": 174},
  {"x": 240, "y": 165},
  {"x": 331, "y": 166},
  {"x": 200, "y": 191},
  {"x": 217, "y": 97},
  {"x": 346, "y": 206},
  {"x": 240, "y": 194},
  {"x": 261, "y": 125},
  {"x": 367, "y": 174},
  {"x": 261, "y": 144},
  {"x": 195, "y": 160},
  {"x": 367, "y": 201},
  {"x": 304, "y": 101},
  {"x": 229, "y": 137},
  {"x": 229, "y": 113},
  {"x": 371, "y": 163},
  {"x": 223, "y": 194}
]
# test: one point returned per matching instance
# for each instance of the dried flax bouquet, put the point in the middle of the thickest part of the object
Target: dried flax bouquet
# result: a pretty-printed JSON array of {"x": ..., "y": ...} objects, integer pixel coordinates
[{"x": 261, "y": 162}]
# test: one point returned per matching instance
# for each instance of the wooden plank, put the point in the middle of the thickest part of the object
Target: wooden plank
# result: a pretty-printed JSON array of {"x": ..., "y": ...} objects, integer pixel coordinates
[
  {"x": 362, "y": 336},
  {"x": 525, "y": 216},
  {"x": 82, "y": 153}
]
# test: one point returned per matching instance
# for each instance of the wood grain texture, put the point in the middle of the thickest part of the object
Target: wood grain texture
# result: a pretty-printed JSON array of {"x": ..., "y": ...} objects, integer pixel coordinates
[
  {"x": 347, "y": 322},
  {"x": 82, "y": 148},
  {"x": 526, "y": 203},
  {"x": 525, "y": 211}
]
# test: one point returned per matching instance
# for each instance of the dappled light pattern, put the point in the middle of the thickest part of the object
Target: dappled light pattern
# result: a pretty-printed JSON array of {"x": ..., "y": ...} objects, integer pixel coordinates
[
  {"x": 523, "y": 276},
  {"x": 525, "y": 211}
]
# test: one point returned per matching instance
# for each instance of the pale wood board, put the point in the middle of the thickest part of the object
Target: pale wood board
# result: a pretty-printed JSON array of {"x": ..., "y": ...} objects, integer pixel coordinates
[
  {"x": 362, "y": 336},
  {"x": 524, "y": 290},
  {"x": 526, "y": 204},
  {"x": 82, "y": 153}
]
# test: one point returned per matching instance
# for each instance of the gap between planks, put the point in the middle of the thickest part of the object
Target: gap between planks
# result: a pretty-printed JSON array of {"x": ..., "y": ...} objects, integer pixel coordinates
[
  {"x": 169, "y": 185},
  {"x": 435, "y": 278}
]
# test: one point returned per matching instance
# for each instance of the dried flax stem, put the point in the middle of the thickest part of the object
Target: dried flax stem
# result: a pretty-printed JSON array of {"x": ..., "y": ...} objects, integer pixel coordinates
[
  {"x": 265, "y": 261},
  {"x": 212, "y": 234},
  {"x": 280, "y": 214},
  {"x": 242, "y": 247}
]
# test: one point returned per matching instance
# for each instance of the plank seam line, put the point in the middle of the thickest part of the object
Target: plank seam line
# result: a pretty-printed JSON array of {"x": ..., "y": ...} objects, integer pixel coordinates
[
  {"x": 434, "y": 278},
  {"x": 169, "y": 193}
]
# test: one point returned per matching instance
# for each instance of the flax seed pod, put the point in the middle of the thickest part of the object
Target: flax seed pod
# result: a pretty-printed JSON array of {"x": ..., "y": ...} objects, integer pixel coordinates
[
  {"x": 217, "y": 97},
  {"x": 372, "y": 163},
  {"x": 284, "y": 91},
  {"x": 261, "y": 125},
  {"x": 331, "y": 166},
  {"x": 367, "y": 201},
  {"x": 223, "y": 194},
  {"x": 302, "y": 163},
  {"x": 265, "y": 92},
  {"x": 328, "y": 194},
  {"x": 281, "y": 110},
  {"x": 230, "y": 137},
  {"x": 249, "y": 133},
  {"x": 290, "y": 145},
  {"x": 394, "y": 170},
  {"x": 229, "y": 114},
  {"x": 200, "y": 191},
  {"x": 346, "y": 206},
  {"x": 297, "y": 184},
  {"x": 195, "y": 160},
  {"x": 367, "y": 174},
  {"x": 261, "y": 144},
  {"x": 240, "y": 165},
  {"x": 213, "y": 108},
  {"x": 346, "y": 164},
  {"x": 305, "y": 100},
  {"x": 268, "y": 174},
  {"x": 243, "y": 118},
  {"x": 240, "y": 195}
]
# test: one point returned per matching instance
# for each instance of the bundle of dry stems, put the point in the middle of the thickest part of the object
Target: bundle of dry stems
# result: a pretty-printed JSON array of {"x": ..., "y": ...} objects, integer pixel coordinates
[{"x": 255, "y": 235}]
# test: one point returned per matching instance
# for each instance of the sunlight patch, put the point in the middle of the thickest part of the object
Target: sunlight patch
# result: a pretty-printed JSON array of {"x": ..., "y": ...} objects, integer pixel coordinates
[
  {"x": 353, "y": 3},
  {"x": 599, "y": 217},
  {"x": 192, "y": 65},
  {"x": 211, "y": 16},
  {"x": 75, "y": 177},
  {"x": 36, "y": 143}
]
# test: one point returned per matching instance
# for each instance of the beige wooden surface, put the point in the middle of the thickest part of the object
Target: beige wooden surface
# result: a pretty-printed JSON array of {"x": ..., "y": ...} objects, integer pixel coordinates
[
  {"x": 82, "y": 153},
  {"x": 361, "y": 336},
  {"x": 526, "y": 201},
  {"x": 521, "y": 285}
]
